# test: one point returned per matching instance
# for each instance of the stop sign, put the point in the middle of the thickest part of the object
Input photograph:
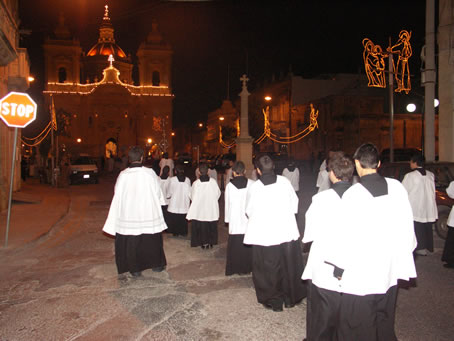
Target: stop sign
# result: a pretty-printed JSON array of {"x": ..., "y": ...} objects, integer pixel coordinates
[{"x": 17, "y": 109}]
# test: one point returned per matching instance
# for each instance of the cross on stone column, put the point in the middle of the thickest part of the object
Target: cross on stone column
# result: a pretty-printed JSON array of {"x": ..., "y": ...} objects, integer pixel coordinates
[{"x": 244, "y": 79}]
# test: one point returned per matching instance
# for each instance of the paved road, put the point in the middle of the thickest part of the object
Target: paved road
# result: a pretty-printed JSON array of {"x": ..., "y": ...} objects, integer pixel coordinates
[{"x": 64, "y": 286}]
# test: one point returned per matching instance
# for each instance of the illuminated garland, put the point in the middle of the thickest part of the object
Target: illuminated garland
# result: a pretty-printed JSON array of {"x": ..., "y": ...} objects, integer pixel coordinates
[
  {"x": 267, "y": 133},
  {"x": 39, "y": 140}
]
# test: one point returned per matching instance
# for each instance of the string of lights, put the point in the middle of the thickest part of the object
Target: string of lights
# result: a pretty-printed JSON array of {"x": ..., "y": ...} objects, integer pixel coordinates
[
  {"x": 38, "y": 136},
  {"x": 267, "y": 133},
  {"x": 46, "y": 131}
]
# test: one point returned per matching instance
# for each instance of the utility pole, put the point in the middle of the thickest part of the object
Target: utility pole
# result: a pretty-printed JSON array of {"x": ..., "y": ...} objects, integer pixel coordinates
[{"x": 429, "y": 79}]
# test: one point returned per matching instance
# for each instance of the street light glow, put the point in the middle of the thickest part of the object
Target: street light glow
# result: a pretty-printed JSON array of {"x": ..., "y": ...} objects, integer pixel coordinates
[
  {"x": 149, "y": 140},
  {"x": 79, "y": 140},
  {"x": 172, "y": 133},
  {"x": 411, "y": 107},
  {"x": 200, "y": 125},
  {"x": 267, "y": 98},
  {"x": 31, "y": 78},
  {"x": 221, "y": 118}
]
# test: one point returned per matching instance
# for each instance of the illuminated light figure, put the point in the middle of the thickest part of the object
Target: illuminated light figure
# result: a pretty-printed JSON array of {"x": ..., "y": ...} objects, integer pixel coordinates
[
  {"x": 374, "y": 63},
  {"x": 402, "y": 71}
]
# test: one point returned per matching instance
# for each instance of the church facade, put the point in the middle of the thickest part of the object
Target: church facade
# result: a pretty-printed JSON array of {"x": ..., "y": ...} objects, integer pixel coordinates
[{"x": 95, "y": 98}]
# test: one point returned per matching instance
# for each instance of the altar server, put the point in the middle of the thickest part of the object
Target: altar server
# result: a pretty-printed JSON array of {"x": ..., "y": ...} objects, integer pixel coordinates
[
  {"x": 179, "y": 194},
  {"x": 420, "y": 185},
  {"x": 135, "y": 218},
  {"x": 277, "y": 264},
  {"x": 204, "y": 210},
  {"x": 375, "y": 249},
  {"x": 323, "y": 230},
  {"x": 239, "y": 255},
  {"x": 292, "y": 173}
]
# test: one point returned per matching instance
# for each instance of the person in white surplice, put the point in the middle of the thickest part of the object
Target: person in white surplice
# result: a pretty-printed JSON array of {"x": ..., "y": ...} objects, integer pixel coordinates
[
  {"x": 239, "y": 255},
  {"x": 373, "y": 251},
  {"x": 420, "y": 185},
  {"x": 204, "y": 210},
  {"x": 179, "y": 194},
  {"x": 324, "y": 296},
  {"x": 135, "y": 218},
  {"x": 271, "y": 205}
]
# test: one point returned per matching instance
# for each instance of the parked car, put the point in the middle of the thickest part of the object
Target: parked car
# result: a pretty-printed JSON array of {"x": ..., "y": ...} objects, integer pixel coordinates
[
  {"x": 444, "y": 174},
  {"x": 185, "y": 159},
  {"x": 83, "y": 170},
  {"x": 400, "y": 154}
]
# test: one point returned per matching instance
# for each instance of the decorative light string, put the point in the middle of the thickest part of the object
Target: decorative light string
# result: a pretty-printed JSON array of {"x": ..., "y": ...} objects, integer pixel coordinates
[{"x": 267, "y": 133}]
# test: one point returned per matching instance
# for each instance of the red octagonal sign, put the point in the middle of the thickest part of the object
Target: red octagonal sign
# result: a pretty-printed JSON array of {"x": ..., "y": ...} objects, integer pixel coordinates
[{"x": 17, "y": 109}]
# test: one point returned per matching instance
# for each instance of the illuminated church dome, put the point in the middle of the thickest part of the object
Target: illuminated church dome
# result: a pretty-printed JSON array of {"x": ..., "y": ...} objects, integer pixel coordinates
[{"x": 106, "y": 43}]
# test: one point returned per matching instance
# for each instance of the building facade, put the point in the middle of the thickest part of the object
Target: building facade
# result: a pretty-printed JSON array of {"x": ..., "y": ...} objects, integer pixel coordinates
[
  {"x": 349, "y": 113},
  {"x": 14, "y": 73},
  {"x": 96, "y": 99}
]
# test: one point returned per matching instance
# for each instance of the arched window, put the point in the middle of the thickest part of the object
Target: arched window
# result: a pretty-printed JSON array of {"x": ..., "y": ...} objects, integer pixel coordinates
[
  {"x": 61, "y": 75},
  {"x": 156, "y": 78}
]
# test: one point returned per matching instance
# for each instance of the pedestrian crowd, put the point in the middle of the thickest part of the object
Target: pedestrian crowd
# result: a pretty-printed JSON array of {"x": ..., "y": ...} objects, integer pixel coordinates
[{"x": 363, "y": 237}]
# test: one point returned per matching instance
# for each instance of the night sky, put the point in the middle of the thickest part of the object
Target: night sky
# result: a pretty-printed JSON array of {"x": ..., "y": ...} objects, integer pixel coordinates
[{"x": 209, "y": 37}]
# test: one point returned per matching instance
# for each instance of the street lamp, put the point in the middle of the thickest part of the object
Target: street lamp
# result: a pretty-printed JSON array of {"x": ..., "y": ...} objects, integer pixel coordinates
[
  {"x": 268, "y": 98},
  {"x": 79, "y": 140}
]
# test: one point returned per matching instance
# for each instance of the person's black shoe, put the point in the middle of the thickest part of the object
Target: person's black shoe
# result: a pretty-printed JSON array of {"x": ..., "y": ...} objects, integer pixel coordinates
[
  {"x": 158, "y": 269},
  {"x": 274, "y": 308},
  {"x": 449, "y": 265},
  {"x": 136, "y": 274},
  {"x": 203, "y": 247},
  {"x": 210, "y": 246}
]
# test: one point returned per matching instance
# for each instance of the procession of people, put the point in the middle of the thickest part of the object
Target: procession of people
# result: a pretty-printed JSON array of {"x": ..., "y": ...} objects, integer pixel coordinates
[{"x": 362, "y": 236}]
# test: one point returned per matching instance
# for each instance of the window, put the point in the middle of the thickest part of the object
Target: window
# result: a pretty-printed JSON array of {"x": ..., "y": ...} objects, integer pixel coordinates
[
  {"x": 61, "y": 75},
  {"x": 155, "y": 78}
]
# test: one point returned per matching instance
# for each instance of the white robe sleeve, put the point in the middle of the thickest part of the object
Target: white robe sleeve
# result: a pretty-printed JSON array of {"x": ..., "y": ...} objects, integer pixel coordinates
[
  {"x": 227, "y": 203},
  {"x": 109, "y": 225}
]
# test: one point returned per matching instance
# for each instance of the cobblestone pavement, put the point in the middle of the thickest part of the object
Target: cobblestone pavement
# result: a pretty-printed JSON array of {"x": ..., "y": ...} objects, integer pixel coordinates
[{"x": 64, "y": 286}]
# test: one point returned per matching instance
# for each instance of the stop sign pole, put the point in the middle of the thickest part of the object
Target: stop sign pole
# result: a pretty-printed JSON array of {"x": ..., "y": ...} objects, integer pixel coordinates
[{"x": 17, "y": 110}]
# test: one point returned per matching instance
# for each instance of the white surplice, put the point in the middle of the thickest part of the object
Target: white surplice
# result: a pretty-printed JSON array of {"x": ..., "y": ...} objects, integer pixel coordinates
[
  {"x": 376, "y": 246},
  {"x": 323, "y": 230},
  {"x": 294, "y": 177},
  {"x": 421, "y": 192},
  {"x": 136, "y": 205},
  {"x": 271, "y": 211},
  {"x": 235, "y": 207},
  {"x": 204, "y": 196},
  {"x": 179, "y": 194}
]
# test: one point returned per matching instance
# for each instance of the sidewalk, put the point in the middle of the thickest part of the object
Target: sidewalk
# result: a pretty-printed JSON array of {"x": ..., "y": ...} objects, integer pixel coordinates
[{"x": 36, "y": 208}]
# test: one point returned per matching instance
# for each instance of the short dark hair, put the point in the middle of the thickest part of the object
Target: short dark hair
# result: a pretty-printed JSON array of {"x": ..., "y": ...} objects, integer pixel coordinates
[
  {"x": 135, "y": 154},
  {"x": 367, "y": 155},
  {"x": 239, "y": 167},
  {"x": 165, "y": 155},
  {"x": 203, "y": 169},
  {"x": 341, "y": 165},
  {"x": 165, "y": 172},
  {"x": 179, "y": 169},
  {"x": 265, "y": 163},
  {"x": 418, "y": 158}
]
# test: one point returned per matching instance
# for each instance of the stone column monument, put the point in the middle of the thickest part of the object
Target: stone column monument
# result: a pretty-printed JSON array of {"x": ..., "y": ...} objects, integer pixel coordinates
[{"x": 244, "y": 141}]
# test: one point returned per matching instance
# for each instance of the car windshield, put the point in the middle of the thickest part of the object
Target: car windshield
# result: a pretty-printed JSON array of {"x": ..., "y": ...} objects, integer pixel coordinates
[
  {"x": 444, "y": 174},
  {"x": 84, "y": 161}
]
